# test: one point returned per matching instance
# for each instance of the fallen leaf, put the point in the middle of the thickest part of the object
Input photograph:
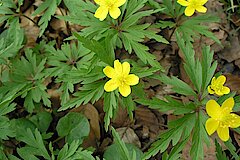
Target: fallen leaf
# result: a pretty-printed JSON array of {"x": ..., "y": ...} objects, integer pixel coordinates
[{"x": 129, "y": 136}]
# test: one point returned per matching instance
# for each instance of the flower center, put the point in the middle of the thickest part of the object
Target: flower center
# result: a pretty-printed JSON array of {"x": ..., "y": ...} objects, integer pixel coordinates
[
  {"x": 122, "y": 80},
  {"x": 109, "y": 3},
  {"x": 194, "y": 3},
  {"x": 217, "y": 87}
]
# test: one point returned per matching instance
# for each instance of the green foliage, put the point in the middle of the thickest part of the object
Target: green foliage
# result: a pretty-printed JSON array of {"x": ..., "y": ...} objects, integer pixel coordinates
[
  {"x": 74, "y": 152},
  {"x": 127, "y": 33},
  {"x": 179, "y": 130},
  {"x": 49, "y": 6},
  {"x": 121, "y": 151},
  {"x": 34, "y": 145},
  {"x": 170, "y": 104},
  {"x": 220, "y": 154},
  {"x": 73, "y": 126},
  {"x": 40, "y": 84}
]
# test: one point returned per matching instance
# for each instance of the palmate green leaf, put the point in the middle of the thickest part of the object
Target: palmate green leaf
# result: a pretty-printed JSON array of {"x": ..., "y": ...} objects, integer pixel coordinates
[
  {"x": 193, "y": 27},
  {"x": 170, "y": 104},
  {"x": 69, "y": 57},
  {"x": 232, "y": 149},
  {"x": 49, "y": 6},
  {"x": 124, "y": 153},
  {"x": 6, "y": 130},
  {"x": 110, "y": 106},
  {"x": 200, "y": 73},
  {"x": 199, "y": 137},
  {"x": 129, "y": 104},
  {"x": 175, "y": 152},
  {"x": 178, "y": 85},
  {"x": 192, "y": 66},
  {"x": 208, "y": 68},
  {"x": 220, "y": 154},
  {"x": 11, "y": 40},
  {"x": 35, "y": 146},
  {"x": 88, "y": 92},
  {"x": 178, "y": 129},
  {"x": 73, "y": 126},
  {"x": 74, "y": 152},
  {"x": 97, "y": 48}
]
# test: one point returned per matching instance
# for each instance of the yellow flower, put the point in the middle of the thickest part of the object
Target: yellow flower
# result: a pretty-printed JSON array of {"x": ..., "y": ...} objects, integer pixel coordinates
[
  {"x": 221, "y": 118},
  {"x": 111, "y": 6},
  {"x": 193, "y": 5},
  {"x": 120, "y": 78},
  {"x": 217, "y": 86}
]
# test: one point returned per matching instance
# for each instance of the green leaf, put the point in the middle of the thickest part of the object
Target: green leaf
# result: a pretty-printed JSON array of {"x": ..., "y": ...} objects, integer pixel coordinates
[
  {"x": 113, "y": 152},
  {"x": 97, "y": 48},
  {"x": 73, "y": 126},
  {"x": 124, "y": 153},
  {"x": 199, "y": 134},
  {"x": 88, "y": 92},
  {"x": 178, "y": 85},
  {"x": 192, "y": 27},
  {"x": 232, "y": 148},
  {"x": 220, "y": 154},
  {"x": 74, "y": 152},
  {"x": 49, "y": 6},
  {"x": 42, "y": 120},
  {"x": 180, "y": 128},
  {"x": 35, "y": 145},
  {"x": 110, "y": 105},
  {"x": 5, "y": 128},
  {"x": 170, "y": 104}
]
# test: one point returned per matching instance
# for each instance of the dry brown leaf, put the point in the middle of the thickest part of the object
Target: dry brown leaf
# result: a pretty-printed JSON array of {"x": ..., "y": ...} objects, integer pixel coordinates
[
  {"x": 232, "y": 52},
  {"x": 209, "y": 152},
  {"x": 145, "y": 117},
  {"x": 233, "y": 82},
  {"x": 129, "y": 136},
  {"x": 122, "y": 118},
  {"x": 31, "y": 30},
  {"x": 92, "y": 114}
]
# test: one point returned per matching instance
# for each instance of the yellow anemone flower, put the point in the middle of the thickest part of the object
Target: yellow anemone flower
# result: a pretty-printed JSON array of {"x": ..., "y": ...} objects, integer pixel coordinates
[
  {"x": 192, "y": 5},
  {"x": 221, "y": 118},
  {"x": 120, "y": 78},
  {"x": 217, "y": 86},
  {"x": 111, "y": 6}
]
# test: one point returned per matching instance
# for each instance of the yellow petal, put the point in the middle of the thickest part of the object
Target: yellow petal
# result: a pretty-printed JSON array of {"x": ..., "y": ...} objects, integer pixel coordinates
[
  {"x": 125, "y": 90},
  {"x": 201, "y": 9},
  {"x": 125, "y": 68},
  {"x": 202, "y": 2},
  {"x": 210, "y": 91},
  {"x": 132, "y": 79},
  {"x": 101, "y": 13},
  {"x": 183, "y": 2},
  {"x": 213, "y": 80},
  {"x": 118, "y": 67},
  {"x": 99, "y": 2},
  {"x": 227, "y": 106},
  {"x": 119, "y": 3},
  {"x": 223, "y": 133},
  {"x": 213, "y": 109},
  {"x": 233, "y": 120},
  {"x": 114, "y": 12},
  {"x": 221, "y": 80},
  {"x": 211, "y": 125},
  {"x": 189, "y": 11},
  {"x": 111, "y": 85},
  {"x": 218, "y": 92},
  {"x": 109, "y": 72},
  {"x": 225, "y": 90}
]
